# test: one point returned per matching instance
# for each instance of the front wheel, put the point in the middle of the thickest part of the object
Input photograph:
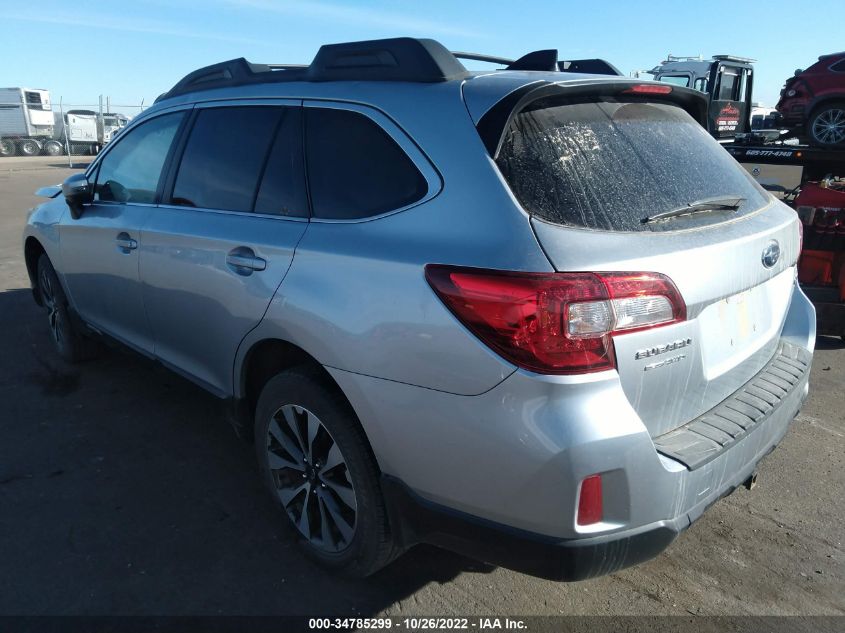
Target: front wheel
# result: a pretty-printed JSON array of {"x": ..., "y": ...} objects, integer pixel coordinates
[
  {"x": 70, "y": 343},
  {"x": 826, "y": 127},
  {"x": 318, "y": 466}
]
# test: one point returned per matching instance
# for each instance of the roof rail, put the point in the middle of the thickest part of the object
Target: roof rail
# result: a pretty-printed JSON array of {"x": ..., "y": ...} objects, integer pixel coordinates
[
  {"x": 396, "y": 59},
  {"x": 235, "y": 72},
  {"x": 545, "y": 60}
]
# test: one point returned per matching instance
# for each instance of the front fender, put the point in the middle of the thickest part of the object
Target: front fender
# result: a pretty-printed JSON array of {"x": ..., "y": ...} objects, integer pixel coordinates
[{"x": 43, "y": 225}]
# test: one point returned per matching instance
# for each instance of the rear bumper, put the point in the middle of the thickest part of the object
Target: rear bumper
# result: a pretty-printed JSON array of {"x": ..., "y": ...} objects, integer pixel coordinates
[
  {"x": 415, "y": 519},
  {"x": 497, "y": 476}
]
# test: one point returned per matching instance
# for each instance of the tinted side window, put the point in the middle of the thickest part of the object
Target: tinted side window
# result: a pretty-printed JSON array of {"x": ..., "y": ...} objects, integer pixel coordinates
[
  {"x": 131, "y": 170},
  {"x": 839, "y": 67},
  {"x": 355, "y": 170},
  {"x": 728, "y": 83},
  {"x": 282, "y": 190},
  {"x": 224, "y": 157}
]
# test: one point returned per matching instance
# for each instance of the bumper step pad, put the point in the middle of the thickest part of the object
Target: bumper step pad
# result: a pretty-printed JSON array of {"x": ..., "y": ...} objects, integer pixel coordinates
[{"x": 706, "y": 437}]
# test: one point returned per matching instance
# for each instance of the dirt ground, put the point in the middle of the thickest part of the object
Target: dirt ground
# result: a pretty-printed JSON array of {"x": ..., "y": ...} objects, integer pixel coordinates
[{"x": 123, "y": 492}]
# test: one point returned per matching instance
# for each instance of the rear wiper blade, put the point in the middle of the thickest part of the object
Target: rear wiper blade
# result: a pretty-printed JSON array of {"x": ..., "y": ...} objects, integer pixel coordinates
[{"x": 722, "y": 203}]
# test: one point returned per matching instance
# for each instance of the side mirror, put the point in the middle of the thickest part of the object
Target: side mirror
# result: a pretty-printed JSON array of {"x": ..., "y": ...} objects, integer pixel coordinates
[{"x": 77, "y": 191}]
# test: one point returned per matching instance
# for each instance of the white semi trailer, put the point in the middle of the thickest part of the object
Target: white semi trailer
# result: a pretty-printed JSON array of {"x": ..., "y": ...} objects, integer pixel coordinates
[{"x": 26, "y": 122}]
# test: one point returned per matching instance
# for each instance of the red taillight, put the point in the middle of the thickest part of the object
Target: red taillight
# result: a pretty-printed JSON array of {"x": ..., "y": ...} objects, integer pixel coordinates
[
  {"x": 648, "y": 89},
  {"x": 590, "y": 501},
  {"x": 556, "y": 323}
]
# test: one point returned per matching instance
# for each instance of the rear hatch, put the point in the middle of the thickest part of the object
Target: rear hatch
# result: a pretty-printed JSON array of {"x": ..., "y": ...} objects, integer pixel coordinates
[{"x": 595, "y": 173}]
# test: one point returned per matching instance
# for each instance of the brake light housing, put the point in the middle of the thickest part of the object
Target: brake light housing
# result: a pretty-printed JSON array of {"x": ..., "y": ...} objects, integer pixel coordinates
[
  {"x": 648, "y": 89},
  {"x": 556, "y": 323}
]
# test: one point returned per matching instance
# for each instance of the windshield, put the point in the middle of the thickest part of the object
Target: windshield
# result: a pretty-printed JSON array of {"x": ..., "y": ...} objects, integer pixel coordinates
[{"x": 608, "y": 164}]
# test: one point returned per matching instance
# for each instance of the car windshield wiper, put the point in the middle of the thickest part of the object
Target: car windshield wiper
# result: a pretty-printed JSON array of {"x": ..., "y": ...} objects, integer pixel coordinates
[{"x": 722, "y": 203}]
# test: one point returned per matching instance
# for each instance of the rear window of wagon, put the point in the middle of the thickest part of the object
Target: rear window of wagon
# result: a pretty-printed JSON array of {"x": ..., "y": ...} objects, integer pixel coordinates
[{"x": 607, "y": 164}]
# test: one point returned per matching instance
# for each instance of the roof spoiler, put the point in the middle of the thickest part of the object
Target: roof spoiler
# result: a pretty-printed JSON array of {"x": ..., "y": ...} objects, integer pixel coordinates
[
  {"x": 396, "y": 59},
  {"x": 493, "y": 125}
]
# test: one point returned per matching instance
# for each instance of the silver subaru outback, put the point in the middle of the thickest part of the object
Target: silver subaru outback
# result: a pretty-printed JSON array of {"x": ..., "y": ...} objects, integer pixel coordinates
[{"x": 535, "y": 315}]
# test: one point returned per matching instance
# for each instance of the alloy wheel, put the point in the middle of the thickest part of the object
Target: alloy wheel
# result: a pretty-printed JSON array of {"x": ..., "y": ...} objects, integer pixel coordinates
[
  {"x": 54, "y": 314},
  {"x": 829, "y": 126},
  {"x": 312, "y": 478}
]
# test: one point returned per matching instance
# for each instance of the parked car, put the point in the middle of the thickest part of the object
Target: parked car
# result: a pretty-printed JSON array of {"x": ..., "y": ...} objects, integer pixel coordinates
[
  {"x": 812, "y": 102},
  {"x": 541, "y": 318}
]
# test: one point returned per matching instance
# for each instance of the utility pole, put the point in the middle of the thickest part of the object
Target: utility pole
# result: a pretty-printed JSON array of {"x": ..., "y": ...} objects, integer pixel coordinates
[
  {"x": 64, "y": 127},
  {"x": 101, "y": 126}
]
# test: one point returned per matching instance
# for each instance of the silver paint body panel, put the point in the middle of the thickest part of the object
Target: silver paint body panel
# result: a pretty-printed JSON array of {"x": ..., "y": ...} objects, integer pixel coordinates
[{"x": 456, "y": 422}]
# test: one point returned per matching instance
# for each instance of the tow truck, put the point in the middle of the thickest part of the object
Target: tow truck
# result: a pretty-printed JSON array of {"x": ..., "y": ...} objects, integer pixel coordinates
[{"x": 726, "y": 79}]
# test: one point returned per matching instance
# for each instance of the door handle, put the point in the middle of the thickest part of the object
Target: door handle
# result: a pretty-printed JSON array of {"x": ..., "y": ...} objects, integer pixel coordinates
[
  {"x": 244, "y": 261},
  {"x": 126, "y": 243}
]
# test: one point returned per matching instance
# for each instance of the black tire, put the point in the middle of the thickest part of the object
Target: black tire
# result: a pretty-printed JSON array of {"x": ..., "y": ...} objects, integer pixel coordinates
[
  {"x": 71, "y": 344},
  {"x": 370, "y": 546},
  {"x": 826, "y": 125},
  {"x": 7, "y": 147},
  {"x": 29, "y": 147},
  {"x": 53, "y": 148}
]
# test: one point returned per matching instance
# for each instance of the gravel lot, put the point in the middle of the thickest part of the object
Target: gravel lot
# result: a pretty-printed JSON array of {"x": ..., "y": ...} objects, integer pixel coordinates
[{"x": 122, "y": 491}]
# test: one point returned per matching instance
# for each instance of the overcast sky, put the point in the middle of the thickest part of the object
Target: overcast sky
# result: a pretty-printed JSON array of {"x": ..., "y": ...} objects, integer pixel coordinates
[{"x": 136, "y": 50}]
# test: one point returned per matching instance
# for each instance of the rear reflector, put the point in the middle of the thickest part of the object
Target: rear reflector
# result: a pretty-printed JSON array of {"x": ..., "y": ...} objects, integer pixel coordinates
[
  {"x": 648, "y": 89},
  {"x": 590, "y": 501},
  {"x": 556, "y": 323}
]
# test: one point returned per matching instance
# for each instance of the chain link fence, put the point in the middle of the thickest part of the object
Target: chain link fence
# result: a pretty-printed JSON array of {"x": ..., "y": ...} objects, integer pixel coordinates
[{"x": 32, "y": 126}]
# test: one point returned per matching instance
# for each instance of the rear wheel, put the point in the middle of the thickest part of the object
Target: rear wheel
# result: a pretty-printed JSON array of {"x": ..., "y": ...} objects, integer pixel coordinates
[
  {"x": 826, "y": 127},
  {"x": 29, "y": 147},
  {"x": 7, "y": 147},
  {"x": 317, "y": 464},
  {"x": 72, "y": 345}
]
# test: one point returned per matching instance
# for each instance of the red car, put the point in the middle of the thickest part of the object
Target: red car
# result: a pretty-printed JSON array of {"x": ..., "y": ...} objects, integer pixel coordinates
[{"x": 813, "y": 102}]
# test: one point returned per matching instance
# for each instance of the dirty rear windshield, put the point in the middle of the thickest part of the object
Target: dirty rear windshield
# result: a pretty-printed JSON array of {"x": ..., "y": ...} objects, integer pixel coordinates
[{"x": 607, "y": 165}]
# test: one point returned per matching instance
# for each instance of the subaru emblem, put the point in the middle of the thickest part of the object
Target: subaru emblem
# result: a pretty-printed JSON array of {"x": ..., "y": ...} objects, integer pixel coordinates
[{"x": 771, "y": 254}]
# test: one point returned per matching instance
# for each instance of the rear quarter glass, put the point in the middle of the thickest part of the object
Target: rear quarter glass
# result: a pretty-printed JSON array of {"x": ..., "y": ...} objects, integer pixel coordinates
[{"x": 608, "y": 164}]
